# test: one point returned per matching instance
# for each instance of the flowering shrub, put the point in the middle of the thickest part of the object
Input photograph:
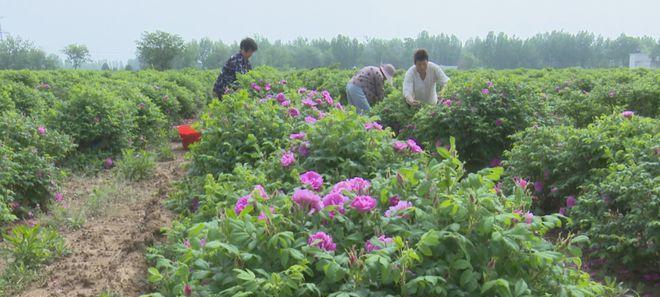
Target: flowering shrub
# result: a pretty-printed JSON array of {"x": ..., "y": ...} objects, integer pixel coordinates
[
  {"x": 604, "y": 177},
  {"x": 481, "y": 121},
  {"x": 332, "y": 207},
  {"x": 97, "y": 121},
  {"x": 46, "y": 115},
  {"x": 298, "y": 244},
  {"x": 28, "y": 152},
  {"x": 239, "y": 130},
  {"x": 394, "y": 112},
  {"x": 341, "y": 146}
]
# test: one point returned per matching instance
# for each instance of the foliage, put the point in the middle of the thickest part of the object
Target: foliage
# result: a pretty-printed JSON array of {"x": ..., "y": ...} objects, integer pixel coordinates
[
  {"x": 76, "y": 54},
  {"x": 28, "y": 152},
  {"x": 18, "y": 53},
  {"x": 435, "y": 246},
  {"x": 325, "y": 202},
  {"x": 32, "y": 246},
  {"x": 159, "y": 49},
  {"x": 237, "y": 131},
  {"x": 604, "y": 176},
  {"x": 76, "y": 119},
  {"x": 97, "y": 120},
  {"x": 136, "y": 165}
]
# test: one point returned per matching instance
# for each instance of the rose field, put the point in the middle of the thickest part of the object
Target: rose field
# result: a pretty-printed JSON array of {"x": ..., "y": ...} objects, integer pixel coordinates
[{"x": 518, "y": 183}]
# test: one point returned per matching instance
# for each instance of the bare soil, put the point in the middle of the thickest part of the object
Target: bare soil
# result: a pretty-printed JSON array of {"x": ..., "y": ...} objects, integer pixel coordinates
[{"x": 107, "y": 254}]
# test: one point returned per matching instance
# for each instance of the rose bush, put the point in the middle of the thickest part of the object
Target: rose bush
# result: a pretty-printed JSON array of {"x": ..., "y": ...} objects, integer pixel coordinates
[
  {"x": 338, "y": 207},
  {"x": 337, "y": 239},
  {"x": 603, "y": 176}
]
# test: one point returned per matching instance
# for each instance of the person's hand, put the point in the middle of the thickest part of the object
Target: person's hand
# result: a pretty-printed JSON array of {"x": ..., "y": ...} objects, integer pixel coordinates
[{"x": 412, "y": 102}]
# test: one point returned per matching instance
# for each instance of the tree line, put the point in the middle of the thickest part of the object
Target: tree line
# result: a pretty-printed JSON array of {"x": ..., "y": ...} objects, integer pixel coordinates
[{"x": 162, "y": 50}]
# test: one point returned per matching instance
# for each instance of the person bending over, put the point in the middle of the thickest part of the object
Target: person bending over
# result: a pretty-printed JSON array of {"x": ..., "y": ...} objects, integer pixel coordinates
[
  {"x": 368, "y": 86},
  {"x": 238, "y": 63}
]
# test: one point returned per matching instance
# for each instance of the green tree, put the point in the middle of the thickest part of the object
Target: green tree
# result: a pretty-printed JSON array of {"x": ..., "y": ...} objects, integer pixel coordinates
[
  {"x": 17, "y": 53},
  {"x": 105, "y": 66},
  {"x": 346, "y": 51},
  {"x": 159, "y": 49},
  {"x": 76, "y": 54}
]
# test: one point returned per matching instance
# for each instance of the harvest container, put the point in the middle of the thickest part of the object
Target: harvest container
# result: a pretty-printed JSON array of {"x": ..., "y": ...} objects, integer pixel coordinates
[{"x": 188, "y": 135}]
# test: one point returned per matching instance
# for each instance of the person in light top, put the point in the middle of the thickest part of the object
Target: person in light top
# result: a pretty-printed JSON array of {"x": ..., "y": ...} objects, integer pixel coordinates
[{"x": 419, "y": 84}]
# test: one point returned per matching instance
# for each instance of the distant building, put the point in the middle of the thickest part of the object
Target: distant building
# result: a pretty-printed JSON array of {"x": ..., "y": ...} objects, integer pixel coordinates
[{"x": 640, "y": 60}]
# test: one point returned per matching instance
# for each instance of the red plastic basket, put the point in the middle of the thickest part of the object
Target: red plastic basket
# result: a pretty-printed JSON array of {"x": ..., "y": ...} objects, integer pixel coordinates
[{"x": 188, "y": 135}]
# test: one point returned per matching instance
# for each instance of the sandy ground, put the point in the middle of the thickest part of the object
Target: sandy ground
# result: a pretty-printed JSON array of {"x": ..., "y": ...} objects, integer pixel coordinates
[{"x": 108, "y": 253}]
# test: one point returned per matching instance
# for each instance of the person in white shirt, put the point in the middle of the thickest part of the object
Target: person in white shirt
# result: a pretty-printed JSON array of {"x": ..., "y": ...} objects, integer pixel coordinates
[{"x": 419, "y": 84}]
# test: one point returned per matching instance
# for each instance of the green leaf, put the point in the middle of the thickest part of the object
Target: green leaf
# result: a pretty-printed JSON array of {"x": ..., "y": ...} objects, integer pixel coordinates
[
  {"x": 461, "y": 264},
  {"x": 154, "y": 275},
  {"x": 521, "y": 288}
]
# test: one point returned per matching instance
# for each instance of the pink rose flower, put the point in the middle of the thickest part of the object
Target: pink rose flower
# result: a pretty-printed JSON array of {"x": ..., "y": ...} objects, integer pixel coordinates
[
  {"x": 399, "y": 146},
  {"x": 342, "y": 186},
  {"x": 570, "y": 201},
  {"x": 303, "y": 149},
  {"x": 280, "y": 97},
  {"x": 359, "y": 185},
  {"x": 108, "y": 163},
  {"x": 381, "y": 241},
  {"x": 394, "y": 200},
  {"x": 307, "y": 200},
  {"x": 241, "y": 204},
  {"x": 538, "y": 186},
  {"x": 363, "y": 204},
  {"x": 322, "y": 241},
  {"x": 312, "y": 179},
  {"x": 412, "y": 145},
  {"x": 628, "y": 114},
  {"x": 400, "y": 206},
  {"x": 262, "y": 192},
  {"x": 300, "y": 135},
  {"x": 373, "y": 125},
  {"x": 310, "y": 119},
  {"x": 335, "y": 199},
  {"x": 294, "y": 112},
  {"x": 520, "y": 182},
  {"x": 287, "y": 159},
  {"x": 309, "y": 103}
]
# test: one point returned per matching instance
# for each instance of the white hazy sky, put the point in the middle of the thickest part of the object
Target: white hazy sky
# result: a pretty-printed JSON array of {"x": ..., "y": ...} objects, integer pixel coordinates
[{"x": 110, "y": 28}]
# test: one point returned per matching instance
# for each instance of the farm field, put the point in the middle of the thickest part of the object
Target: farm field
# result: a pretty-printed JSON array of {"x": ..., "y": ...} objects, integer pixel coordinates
[{"x": 518, "y": 183}]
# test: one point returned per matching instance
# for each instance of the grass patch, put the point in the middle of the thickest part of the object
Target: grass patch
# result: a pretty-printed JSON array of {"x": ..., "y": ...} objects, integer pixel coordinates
[
  {"x": 136, "y": 165},
  {"x": 27, "y": 249}
]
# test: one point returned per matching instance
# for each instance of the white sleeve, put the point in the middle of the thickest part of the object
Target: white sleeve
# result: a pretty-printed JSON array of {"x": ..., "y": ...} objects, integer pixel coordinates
[
  {"x": 408, "y": 86},
  {"x": 442, "y": 77}
]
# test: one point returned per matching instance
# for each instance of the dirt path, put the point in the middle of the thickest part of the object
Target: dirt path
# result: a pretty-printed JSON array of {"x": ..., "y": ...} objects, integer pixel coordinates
[{"x": 107, "y": 254}]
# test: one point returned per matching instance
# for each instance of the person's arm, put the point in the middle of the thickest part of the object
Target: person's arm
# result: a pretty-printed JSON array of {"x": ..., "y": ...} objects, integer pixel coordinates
[
  {"x": 443, "y": 79},
  {"x": 379, "y": 87},
  {"x": 408, "y": 88}
]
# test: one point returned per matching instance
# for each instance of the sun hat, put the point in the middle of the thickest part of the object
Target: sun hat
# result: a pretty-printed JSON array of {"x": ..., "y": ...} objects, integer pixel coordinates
[{"x": 388, "y": 70}]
